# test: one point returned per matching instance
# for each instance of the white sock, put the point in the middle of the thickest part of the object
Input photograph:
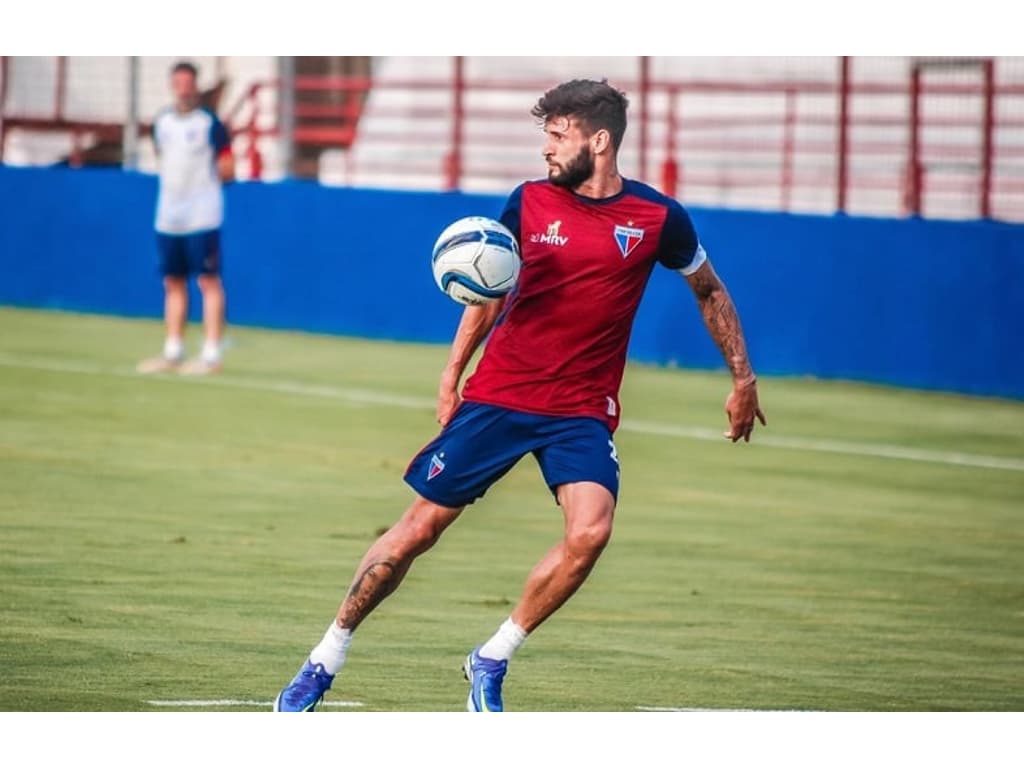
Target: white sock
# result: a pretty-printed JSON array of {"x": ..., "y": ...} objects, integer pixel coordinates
[
  {"x": 505, "y": 642},
  {"x": 332, "y": 649},
  {"x": 211, "y": 352},
  {"x": 174, "y": 348}
]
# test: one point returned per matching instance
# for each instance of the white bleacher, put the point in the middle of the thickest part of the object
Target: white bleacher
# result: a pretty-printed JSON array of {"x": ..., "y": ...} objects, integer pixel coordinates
[
  {"x": 408, "y": 150},
  {"x": 96, "y": 90},
  {"x": 404, "y": 135}
]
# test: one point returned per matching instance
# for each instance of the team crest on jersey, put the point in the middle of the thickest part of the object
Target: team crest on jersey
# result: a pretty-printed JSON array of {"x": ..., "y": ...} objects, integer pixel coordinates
[
  {"x": 436, "y": 467},
  {"x": 627, "y": 238}
]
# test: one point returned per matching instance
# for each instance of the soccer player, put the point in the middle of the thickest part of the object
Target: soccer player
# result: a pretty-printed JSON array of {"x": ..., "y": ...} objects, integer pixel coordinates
[
  {"x": 195, "y": 157},
  {"x": 548, "y": 380}
]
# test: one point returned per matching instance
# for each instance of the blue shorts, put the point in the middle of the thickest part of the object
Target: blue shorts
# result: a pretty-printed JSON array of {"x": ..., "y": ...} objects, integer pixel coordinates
[
  {"x": 197, "y": 253},
  {"x": 483, "y": 442}
]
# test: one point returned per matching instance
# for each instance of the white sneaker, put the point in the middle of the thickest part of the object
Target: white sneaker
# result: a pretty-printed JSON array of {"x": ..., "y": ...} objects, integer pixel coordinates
[
  {"x": 199, "y": 367},
  {"x": 158, "y": 364}
]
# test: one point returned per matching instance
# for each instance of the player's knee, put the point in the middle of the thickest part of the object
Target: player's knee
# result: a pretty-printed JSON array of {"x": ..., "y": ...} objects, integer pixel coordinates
[
  {"x": 174, "y": 283},
  {"x": 586, "y": 542},
  {"x": 421, "y": 527},
  {"x": 420, "y": 534},
  {"x": 209, "y": 282}
]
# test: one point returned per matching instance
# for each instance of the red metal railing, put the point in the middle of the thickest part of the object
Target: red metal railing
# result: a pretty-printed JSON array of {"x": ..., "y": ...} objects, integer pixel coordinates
[
  {"x": 843, "y": 149},
  {"x": 794, "y": 144},
  {"x": 57, "y": 120},
  {"x": 785, "y": 147},
  {"x": 453, "y": 161},
  {"x": 988, "y": 133},
  {"x": 244, "y": 119}
]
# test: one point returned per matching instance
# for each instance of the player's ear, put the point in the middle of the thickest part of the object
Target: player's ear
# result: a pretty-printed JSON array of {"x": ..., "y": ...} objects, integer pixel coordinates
[{"x": 601, "y": 141}]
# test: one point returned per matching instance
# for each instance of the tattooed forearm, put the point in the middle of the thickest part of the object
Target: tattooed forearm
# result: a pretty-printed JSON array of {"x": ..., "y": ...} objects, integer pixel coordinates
[
  {"x": 378, "y": 580},
  {"x": 722, "y": 322}
]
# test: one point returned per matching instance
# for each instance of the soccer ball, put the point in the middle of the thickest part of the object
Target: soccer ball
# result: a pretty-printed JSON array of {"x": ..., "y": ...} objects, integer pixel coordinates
[{"x": 476, "y": 260}]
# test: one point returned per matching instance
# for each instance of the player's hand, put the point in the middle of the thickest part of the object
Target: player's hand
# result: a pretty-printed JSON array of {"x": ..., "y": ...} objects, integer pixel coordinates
[
  {"x": 448, "y": 401},
  {"x": 741, "y": 407}
]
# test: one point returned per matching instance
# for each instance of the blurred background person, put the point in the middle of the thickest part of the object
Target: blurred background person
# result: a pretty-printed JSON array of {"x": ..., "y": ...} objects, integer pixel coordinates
[{"x": 194, "y": 154}]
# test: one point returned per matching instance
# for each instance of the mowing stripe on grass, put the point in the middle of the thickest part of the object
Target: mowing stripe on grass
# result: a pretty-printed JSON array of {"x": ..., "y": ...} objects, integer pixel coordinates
[
  {"x": 367, "y": 397},
  {"x": 698, "y": 709}
]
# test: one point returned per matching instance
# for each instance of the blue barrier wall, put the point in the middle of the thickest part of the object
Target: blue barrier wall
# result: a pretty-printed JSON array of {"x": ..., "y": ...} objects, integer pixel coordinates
[{"x": 929, "y": 304}]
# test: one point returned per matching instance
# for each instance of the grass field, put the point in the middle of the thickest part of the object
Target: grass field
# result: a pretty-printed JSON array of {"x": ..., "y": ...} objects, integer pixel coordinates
[{"x": 173, "y": 540}]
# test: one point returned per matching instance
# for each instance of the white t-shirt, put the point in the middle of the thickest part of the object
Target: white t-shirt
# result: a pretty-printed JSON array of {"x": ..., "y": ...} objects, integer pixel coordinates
[{"x": 190, "y": 198}]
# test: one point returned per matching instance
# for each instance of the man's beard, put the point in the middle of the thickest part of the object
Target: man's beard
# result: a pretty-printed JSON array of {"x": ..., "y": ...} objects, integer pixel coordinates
[{"x": 577, "y": 171}]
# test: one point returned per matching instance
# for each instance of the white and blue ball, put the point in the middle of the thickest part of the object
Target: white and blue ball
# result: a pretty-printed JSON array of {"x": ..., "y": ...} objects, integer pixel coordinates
[{"x": 476, "y": 260}]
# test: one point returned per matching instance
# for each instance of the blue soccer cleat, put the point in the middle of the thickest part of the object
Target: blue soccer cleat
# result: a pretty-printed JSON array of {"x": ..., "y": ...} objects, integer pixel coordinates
[
  {"x": 485, "y": 677},
  {"x": 306, "y": 689}
]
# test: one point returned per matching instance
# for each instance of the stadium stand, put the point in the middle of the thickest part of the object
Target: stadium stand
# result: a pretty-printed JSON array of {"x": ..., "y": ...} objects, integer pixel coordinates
[{"x": 877, "y": 136}]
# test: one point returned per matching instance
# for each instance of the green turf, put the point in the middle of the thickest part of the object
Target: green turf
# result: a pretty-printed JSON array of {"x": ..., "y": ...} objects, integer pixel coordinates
[{"x": 172, "y": 539}]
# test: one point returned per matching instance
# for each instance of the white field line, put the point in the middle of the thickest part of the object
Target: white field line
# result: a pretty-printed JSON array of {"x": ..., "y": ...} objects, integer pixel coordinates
[
  {"x": 394, "y": 400},
  {"x": 876, "y": 450},
  {"x": 201, "y": 703},
  {"x": 186, "y": 703}
]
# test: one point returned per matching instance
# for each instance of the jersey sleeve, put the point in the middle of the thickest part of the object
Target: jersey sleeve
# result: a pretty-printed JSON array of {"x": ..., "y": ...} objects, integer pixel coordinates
[
  {"x": 154, "y": 130},
  {"x": 679, "y": 248},
  {"x": 219, "y": 139},
  {"x": 511, "y": 216}
]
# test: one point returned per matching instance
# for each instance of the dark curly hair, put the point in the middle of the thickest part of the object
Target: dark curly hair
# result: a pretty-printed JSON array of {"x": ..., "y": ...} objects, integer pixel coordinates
[
  {"x": 185, "y": 66},
  {"x": 594, "y": 103}
]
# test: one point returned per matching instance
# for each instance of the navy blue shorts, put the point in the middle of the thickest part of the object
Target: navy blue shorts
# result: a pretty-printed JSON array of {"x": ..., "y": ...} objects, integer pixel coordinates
[
  {"x": 483, "y": 442},
  {"x": 197, "y": 253}
]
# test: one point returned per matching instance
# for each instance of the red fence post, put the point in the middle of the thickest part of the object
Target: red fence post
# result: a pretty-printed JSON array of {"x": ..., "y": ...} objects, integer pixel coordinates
[
  {"x": 255, "y": 160},
  {"x": 843, "y": 159},
  {"x": 915, "y": 174},
  {"x": 453, "y": 161},
  {"x": 669, "y": 168},
  {"x": 788, "y": 141},
  {"x": 59, "y": 88},
  {"x": 987, "y": 140},
  {"x": 252, "y": 151}
]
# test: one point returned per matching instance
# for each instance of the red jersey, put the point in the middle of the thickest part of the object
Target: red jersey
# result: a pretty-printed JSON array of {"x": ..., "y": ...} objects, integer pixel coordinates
[{"x": 559, "y": 346}]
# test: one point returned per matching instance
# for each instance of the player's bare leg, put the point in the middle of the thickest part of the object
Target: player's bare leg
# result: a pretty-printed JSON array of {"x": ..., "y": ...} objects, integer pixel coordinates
[
  {"x": 589, "y": 509},
  {"x": 175, "y": 312},
  {"x": 211, "y": 287},
  {"x": 175, "y": 306},
  {"x": 381, "y": 571},
  {"x": 387, "y": 561}
]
